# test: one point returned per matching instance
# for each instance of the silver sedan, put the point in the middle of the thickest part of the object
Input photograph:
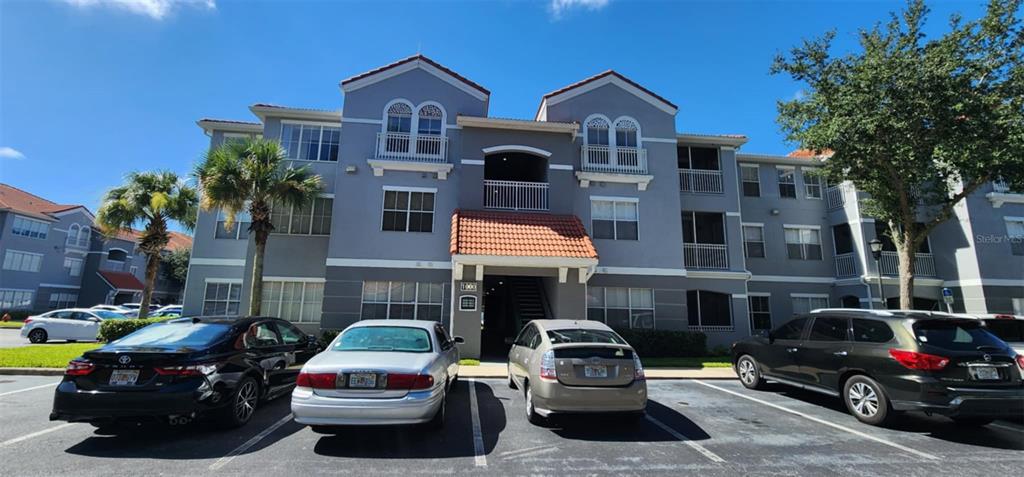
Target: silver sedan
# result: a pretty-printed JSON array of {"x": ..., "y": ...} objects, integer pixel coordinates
[{"x": 379, "y": 372}]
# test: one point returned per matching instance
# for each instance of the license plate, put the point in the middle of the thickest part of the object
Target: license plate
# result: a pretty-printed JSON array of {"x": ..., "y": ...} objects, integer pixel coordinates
[
  {"x": 595, "y": 371},
  {"x": 362, "y": 380},
  {"x": 987, "y": 373},
  {"x": 124, "y": 377}
]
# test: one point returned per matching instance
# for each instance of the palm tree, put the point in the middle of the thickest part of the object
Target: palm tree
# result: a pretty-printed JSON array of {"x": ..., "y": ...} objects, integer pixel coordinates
[
  {"x": 251, "y": 176},
  {"x": 151, "y": 200}
]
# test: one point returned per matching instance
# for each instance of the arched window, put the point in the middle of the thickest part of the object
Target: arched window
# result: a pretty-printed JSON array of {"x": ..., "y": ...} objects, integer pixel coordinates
[
  {"x": 72, "y": 235},
  {"x": 597, "y": 132},
  {"x": 626, "y": 133},
  {"x": 83, "y": 237},
  {"x": 430, "y": 120},
  {"x": 399, "y": 118},
  {"x": 117, "y": 255}
]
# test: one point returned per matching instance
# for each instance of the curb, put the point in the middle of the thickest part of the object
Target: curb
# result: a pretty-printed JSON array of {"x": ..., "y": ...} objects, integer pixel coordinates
[{"x": 31, "y": 371}]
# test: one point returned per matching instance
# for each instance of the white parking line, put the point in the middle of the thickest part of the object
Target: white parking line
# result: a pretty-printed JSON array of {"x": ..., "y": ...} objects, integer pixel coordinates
[
  {"x": 478, "y": 435},
  {"x": 686, "y": 440},
  {"x": 1007, "y": 427},
  {"x": 34, "y": 434},
  {"x": 822, "y": 421},
  {"x": 16, "y": 391},
  {"x": 249, "y": 443}
]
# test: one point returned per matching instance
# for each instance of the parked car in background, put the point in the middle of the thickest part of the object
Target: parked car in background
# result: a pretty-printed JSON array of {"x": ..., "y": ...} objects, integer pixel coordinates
[
  {"x": 180, "y": 370},
  {"x": 569, "y": 366},
  {"x": 69, "y": 324},
  {"x": 379, "y": 372},
  {"x": 1009, "y": 328},
  {"x": 884, "y": 362},
  {"x": 136, "y": 306},
  {"x": 168, "y": 310},
  {"x": 114, "y": 308}
]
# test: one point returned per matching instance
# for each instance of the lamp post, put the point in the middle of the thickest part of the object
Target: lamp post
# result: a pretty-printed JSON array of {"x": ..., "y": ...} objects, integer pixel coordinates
[{"x": 876, "y": 251}]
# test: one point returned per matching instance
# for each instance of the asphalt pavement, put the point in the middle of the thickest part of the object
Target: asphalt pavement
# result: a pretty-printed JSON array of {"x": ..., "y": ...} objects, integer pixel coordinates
[{"x": 11, "y": 338}]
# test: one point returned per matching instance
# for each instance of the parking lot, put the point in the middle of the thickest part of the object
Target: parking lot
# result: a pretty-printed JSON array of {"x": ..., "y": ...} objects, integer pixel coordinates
[{"x": 706, "y": 427}]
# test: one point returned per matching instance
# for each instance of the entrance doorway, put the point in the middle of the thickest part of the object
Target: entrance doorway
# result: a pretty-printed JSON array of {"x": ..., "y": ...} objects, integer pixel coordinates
[{"x": 509, "y": 303}]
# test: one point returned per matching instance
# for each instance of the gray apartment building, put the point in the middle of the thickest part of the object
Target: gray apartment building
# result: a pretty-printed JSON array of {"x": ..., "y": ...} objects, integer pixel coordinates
[
  {"x": 597, "y": 208},
  {"x": 54, "y": 257}
]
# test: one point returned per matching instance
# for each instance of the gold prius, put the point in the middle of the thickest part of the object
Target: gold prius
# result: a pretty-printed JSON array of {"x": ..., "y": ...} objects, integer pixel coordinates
[{"x": 567, "y": 366}]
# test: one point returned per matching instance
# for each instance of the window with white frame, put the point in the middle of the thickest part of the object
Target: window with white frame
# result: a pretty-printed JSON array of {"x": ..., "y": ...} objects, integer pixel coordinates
[
  {"x": 73, "y": 266},
  {"x": 597, "y": 132},
  {"x": 708, "y": 310},
  {"x": 117, "y": 255},
  {"x": 759, "y": 307},
  {"x": 1015, "y": 234},
  {"x": 133, "y": 270},
  {"x": 753, "y": 240},
  {"x": 83, "y": 236},
  {"x": 614, "y": 219},
  {"x": 803, "y": 242},
  {"x": 78, "y": 236},
  {"x": 27, "y": 227},
  {"x": 239, "y": 229},
  {"x": 62, "y": 300},
  {"x": 222, "y": 298},
  {"x": 399, "y": 118},
  {"x": 310, "y": 142},
  {"x": 787, "y": 181},
  {"x": 408, "y": 210},
  {"x": 626, "y": 133},
  {"x": 18, "y": 261},
  {"x": 814, "y": 183},
  {"x": 430, "y": 119},
  {"x": 751, "y": 180},
  {"x": 402, "y": 300},
  {"x": 295, "y": 301},
  {"x": 620, "y": 307},
  {"x": 16, "y": 299},
  {"x": 313, "y": 219},
  {"x": 806, "y": 303}
]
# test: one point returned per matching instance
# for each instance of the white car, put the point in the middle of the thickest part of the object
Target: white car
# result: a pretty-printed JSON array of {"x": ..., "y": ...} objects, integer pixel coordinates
[
  {"x": 167, "y": 309},
  {"x": 70, "y": 324},
  {"x": 136, "y": 306},
  {"x": 113, "y": 308},
  {"x": 378, "y": 372}
]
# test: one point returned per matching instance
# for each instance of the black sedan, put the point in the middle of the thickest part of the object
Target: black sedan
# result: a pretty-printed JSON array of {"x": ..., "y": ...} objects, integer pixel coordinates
[
  {"x": 180, "y": 370},
  {"x": 884, "y": 362}
]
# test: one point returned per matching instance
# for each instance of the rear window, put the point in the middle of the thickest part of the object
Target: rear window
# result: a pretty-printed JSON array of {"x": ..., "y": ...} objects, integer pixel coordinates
[
  {"x": 384, "y": 338},
  {"x": 584, "y": 336},
  {"x": 108, "y": 315},
  {"x": 871, "y": 331},
  {"x": 1006, "y": 330},
  {"x": 955, "y": 335},
  {"x": 184, "y": 335}
]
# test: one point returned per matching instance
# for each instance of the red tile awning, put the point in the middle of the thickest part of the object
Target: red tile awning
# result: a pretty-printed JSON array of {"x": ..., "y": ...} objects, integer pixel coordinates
[
  {"x": 519, "y": 234},
  {"x": 121, "y": 280}
]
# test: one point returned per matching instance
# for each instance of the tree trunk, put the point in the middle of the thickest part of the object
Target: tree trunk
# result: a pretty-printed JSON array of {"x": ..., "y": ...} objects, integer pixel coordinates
[
  {"x": 256, "y": 292},
  {"x": 152, "y": 266},
  {"x": 907, "y": 248}
]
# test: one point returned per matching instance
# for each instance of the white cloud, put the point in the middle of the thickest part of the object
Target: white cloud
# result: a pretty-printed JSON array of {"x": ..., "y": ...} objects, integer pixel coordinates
[
  {"x": 559, "y": 7},
  {"x": 155, "y": 9},
  {"x": 10, "y": 153}
]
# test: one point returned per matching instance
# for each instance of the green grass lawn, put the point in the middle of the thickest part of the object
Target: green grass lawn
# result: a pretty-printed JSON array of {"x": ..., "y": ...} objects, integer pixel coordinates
[
  {"x": 469, "y": 362},
  {"x": 702, "y": 362},
  {"x": 10, "y": 324},
  {"x": 43, "y": 355}
]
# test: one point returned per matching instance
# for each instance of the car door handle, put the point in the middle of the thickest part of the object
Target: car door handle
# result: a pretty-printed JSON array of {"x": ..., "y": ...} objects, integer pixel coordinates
[
  {"x": 792, "y": 350},
  {"x": 840, "y": 353}
]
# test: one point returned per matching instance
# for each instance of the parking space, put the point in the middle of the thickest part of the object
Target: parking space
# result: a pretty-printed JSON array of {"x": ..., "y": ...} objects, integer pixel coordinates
[{"x": 706, "y": 427}]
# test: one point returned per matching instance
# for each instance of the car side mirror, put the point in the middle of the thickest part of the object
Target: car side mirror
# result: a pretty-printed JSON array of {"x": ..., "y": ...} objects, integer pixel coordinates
[{"x": 459, "y": 340}]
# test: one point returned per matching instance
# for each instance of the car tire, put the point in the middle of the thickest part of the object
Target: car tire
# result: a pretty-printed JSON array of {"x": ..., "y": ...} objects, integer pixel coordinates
[
  {"x": 37, "y": 336},
  {"x": 531, "y": 413},
  {"x": 242, "y": 404},
  {"x": 437, "y": 422},
  {"x": 749, "y": 372},
  {"x": 867, "y": 400},
  {"x": 511, "y": 380},
  {"x": 972, "y": 421},
  {"x": 326, "y": 430}
]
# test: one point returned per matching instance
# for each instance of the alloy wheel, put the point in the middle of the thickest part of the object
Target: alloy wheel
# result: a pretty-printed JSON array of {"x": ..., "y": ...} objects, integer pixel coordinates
[
  {"x": 864, "y": 399},
  {"x": 245, "y": 404},
  {"x": 747, "y": 371}
]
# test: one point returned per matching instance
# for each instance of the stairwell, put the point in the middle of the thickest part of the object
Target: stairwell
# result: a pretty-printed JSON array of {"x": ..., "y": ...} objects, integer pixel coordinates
[{"x": 528, "y": 298}]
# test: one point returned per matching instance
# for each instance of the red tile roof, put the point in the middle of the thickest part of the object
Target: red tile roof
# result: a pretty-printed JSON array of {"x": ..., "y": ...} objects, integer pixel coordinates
[
  {"x": 17, "y": 200},
  {"x": 808, "y": 154},
  {"x": 425, "y": 60},
  {"x": 519, "y": 234},
  {"x": 121, "y": 280},
  {"x": 602, "y": 75},
  {"x": 178, "y": 239}
]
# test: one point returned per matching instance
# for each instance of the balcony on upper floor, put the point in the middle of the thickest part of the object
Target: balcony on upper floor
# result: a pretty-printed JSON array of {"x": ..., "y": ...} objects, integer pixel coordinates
[
  {"x": 700, "y": 181},
  {"x": 409, "y": 152},
  {"x": 708, "y": 256},
  {"x": 516, "y": 180},
  {"x": 846, "y": 265},
  {"x": 516, "y": 195},
  {"x": 704, "y": 244},
  {"x": 924, "y": 264},
  {"x": 604, "y": 163},
  {"x": 1003, "y": 194}
]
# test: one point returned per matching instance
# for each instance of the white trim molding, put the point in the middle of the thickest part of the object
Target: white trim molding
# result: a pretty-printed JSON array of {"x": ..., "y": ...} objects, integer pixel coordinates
[
  {"x": 659, "y": 272},
  {"x": 611, "y": 198},
  {"x": 380, "y": 165},
  {"x": 385, "y": 263},
  {"x": 236, "y": 281},
  {"x": 613, "y": 79},
  {"x": 809, "y": 295},
  {"x": 561, "y": 167},
  {"x": 473, "y": 162},
  {"x": 223, "y": 262},
  {"x": 432, "y": 190},
  {"x": 362, "y": 121},
  {"x": 1000, "y": 198},
  {"x": 55, "y": 285},
  {"x": 294, "y": 279},
  {"x": 982, "y": 282},
  {"x": 641, "y": 181},
  {"x": 516, "y": 148},
  {"x": 719, "y": 275},
  {"x": 792, "y": 279}
]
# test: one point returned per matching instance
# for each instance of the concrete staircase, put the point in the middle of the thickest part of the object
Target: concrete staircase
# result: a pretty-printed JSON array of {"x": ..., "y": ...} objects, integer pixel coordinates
[{"x": 529, "y": 299}]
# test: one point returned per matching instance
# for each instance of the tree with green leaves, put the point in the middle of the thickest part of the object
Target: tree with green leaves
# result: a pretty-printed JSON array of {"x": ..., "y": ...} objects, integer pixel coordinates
[
  {"x": 150, "y": 200},
  {"x": 918, "y": 124},
  {"x": 176, "y": 264},
  {"x": 253, "y": 176}
]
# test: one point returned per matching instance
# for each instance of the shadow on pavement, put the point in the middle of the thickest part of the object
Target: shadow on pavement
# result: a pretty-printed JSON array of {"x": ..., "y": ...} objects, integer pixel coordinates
[
  {"x": 420, "y": 442},
  {"x": 612, "y": 428}
]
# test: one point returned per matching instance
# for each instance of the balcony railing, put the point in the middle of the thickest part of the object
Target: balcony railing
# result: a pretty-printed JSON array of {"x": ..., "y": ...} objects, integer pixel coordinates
[
  {"x": 515, "y": 195},
  {"x": 614, "y": 160},
  {"x": 846, "y": 265},
  {"x": 835, "y": 197},
  {"x": 700, "y": 181},
  {"x": 706, "y": 255},
  {"x": 394, "y": 146},
  {"x": 924, "y": 264}
]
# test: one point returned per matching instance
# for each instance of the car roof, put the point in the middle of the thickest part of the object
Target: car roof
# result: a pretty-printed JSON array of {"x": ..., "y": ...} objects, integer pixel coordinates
[
  {"x": 884, "y": 314},
  {"x": 90, "y": 310},
  {"x": 425, "y": 324},
  {"x": 571, "y": 324}
]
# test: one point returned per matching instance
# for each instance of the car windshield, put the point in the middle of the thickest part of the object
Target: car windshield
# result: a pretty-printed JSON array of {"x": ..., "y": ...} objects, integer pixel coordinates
[
  {"x": 584, "y": 336},
  {"x": 956, "y": 335},
  {"x": 1007, "y": 330},
  {"x": 107, "y": 315},
  {"x": 186, "y": 335},
  {"x": 384, "y": 338}
]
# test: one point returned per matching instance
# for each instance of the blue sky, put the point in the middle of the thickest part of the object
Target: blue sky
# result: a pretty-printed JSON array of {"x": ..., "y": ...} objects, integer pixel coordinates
[{"x": 91, "y": 89}]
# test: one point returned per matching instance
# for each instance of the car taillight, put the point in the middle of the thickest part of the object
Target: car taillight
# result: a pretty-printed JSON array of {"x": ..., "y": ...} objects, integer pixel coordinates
[
  {"x": 410, "y": 381},
  {"x": 920, "y": 361},
  {"x": 27, "y": 321},
  {"x": 1004, "y": 317},
  {"x": 191, "y": 370},
  {"x": 79, "y": 367},
  {"x": 316, "y": 380},
  {"x": 547, "y": 366},
  {"x": 638, "y": 368},
  {"x": 1020, "y": 361}
]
